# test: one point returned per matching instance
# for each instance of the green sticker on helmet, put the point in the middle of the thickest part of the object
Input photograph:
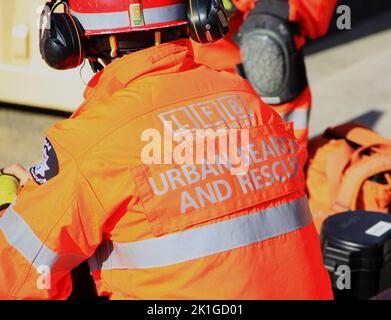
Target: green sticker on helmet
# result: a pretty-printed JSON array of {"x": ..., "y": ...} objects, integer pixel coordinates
[{"x": 136, "y": 15}]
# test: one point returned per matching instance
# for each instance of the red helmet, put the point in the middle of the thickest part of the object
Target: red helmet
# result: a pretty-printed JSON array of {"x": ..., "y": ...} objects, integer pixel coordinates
[
  {"x": 63, "y": 45},
  {"x": 115, "y": 16}
]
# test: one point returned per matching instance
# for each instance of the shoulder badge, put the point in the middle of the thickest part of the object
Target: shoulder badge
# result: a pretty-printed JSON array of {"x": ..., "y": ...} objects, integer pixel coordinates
[{"x": 48, "y": 168}]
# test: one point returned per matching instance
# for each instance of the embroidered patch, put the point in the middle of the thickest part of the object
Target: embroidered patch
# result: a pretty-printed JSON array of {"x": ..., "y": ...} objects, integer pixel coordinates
[{"x": 48, "y": 168}]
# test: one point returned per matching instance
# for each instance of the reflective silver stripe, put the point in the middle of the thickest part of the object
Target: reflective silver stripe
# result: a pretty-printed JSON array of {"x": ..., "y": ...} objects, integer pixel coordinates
[
  {"x": 98, "y": 21},
  {"x": 113, "y": 20},
  {"x": 204, "y": 241},
  {"x": 165, "y": 14},
  {"x": 20, "y": 236},
  {"x": 271, "y": 100},
  {"x": 299, "y": 117}
]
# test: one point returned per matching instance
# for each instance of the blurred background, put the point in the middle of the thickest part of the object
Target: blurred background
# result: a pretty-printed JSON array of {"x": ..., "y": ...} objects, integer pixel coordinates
[{"x": 349, "y": 71}]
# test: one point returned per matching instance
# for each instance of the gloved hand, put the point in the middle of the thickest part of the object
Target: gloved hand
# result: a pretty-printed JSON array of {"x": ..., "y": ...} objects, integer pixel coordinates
[
  {"x": 9, "y": 186},
  {"x": 17, "y": 171}
]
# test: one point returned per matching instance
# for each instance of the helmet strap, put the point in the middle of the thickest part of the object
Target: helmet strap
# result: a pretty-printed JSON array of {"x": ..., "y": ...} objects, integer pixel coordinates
[
  {"x": 109, "y": 47},
  {"x": 113, "y": 46},
  {"x": 95, "y": 65},
  {"x": 158, "y": 38}
]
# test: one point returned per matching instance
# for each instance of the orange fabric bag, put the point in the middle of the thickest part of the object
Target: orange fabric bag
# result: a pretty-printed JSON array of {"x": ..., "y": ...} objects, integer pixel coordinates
[{"x": 349, "y": 168}]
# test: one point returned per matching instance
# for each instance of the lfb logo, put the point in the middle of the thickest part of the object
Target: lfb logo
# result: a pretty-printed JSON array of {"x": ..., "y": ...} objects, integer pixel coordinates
[{"x": 343, "y": 277}]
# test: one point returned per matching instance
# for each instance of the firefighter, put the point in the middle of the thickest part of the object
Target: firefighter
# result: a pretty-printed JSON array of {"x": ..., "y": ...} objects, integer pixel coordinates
[
  {"x": 151, "y": 226},
  {"x": 265, "y": 46}
]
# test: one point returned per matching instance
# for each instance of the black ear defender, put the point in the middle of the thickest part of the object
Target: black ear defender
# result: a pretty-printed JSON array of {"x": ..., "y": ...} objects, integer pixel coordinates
[
  {"x": 61, "y": 41},
  {"x": 208, "y": 21}
]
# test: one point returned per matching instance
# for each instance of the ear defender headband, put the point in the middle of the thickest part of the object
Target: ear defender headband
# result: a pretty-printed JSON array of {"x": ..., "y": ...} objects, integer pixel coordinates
[
  {"x": 61, "y": 41},
  {"x": 208, "y": 21}
]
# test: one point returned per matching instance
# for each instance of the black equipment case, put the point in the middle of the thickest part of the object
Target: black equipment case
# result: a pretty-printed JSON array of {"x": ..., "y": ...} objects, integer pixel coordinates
[{"x": 358, "y": 243}]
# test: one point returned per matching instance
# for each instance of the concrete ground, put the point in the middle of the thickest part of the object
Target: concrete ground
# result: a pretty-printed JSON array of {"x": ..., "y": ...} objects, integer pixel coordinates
[
  {"x": 352, "y": 80},
  {"x": 350, "y": 74}
]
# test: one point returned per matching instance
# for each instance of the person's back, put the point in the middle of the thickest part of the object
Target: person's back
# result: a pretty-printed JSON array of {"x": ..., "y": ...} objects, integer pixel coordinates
[{"x": 115, "y": 189}]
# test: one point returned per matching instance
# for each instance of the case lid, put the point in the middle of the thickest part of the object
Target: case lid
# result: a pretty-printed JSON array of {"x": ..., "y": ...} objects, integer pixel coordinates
[{"x": 360, "y": 239}]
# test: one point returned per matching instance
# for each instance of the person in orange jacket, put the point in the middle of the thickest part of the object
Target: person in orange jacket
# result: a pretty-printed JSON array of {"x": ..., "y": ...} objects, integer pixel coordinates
[
  {"x": 265, "y": 46},
  {"x": 151, "y": 223}
]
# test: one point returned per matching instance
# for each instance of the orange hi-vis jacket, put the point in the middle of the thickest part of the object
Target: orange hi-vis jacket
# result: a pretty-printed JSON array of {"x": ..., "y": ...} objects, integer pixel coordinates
[
  {"x": 170, "y": 230},
  {"x": 314, "y": 18}
]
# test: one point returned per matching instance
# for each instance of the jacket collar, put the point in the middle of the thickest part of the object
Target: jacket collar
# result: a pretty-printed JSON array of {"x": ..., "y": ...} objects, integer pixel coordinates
[{"x": 166, "y": 58}]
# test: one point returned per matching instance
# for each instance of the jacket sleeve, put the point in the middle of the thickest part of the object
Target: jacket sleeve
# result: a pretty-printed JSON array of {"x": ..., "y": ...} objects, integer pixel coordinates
[
  {"x": 53, "y": 226},
  {"x": 314, "y": 16}
]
